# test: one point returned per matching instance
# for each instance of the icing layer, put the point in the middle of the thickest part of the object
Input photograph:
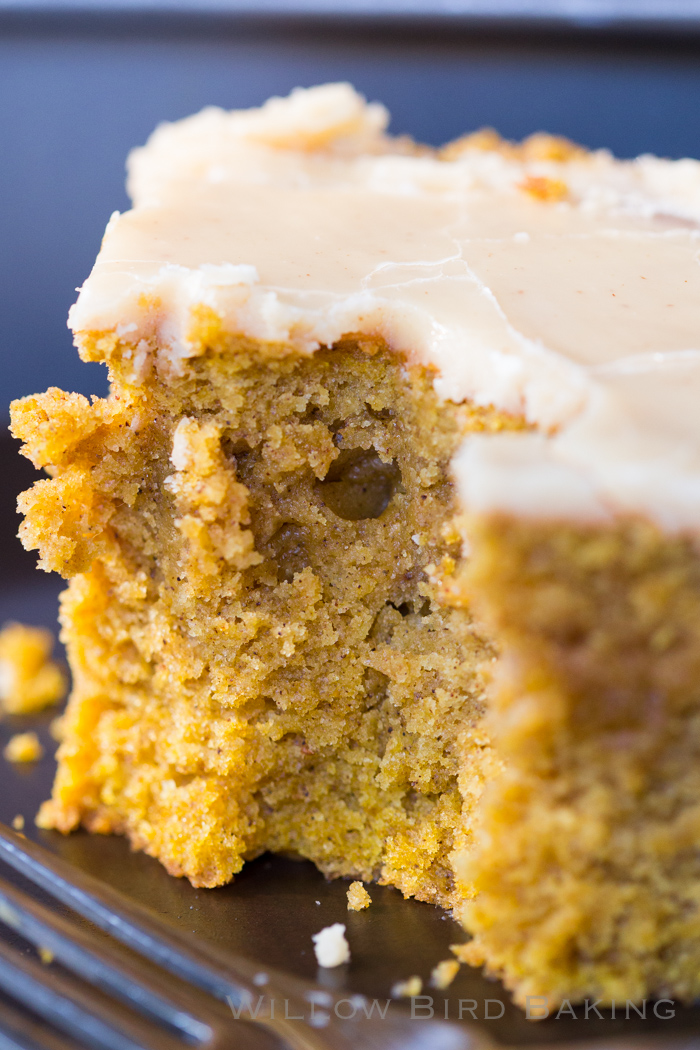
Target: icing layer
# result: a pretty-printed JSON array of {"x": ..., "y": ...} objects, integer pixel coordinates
[{"x": 546, "y": 281}]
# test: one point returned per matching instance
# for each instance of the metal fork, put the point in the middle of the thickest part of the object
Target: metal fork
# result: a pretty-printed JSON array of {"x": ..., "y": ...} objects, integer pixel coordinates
[
  {"x": 149, "y": 986},
  {"x": 105, "y": 993}
]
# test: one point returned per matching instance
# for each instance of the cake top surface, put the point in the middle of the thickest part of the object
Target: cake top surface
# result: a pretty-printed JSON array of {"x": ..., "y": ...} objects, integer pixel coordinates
[{"x": 541, "y": 278}]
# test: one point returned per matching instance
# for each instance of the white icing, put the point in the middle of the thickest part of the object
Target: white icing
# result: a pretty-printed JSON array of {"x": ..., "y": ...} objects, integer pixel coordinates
[
  {"x": 515, "y": 472},
  {"x": 301, "y": 222}
]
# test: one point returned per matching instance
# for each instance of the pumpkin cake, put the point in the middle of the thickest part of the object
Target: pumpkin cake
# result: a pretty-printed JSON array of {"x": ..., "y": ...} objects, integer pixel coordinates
[{"x": 383, "y": 549}]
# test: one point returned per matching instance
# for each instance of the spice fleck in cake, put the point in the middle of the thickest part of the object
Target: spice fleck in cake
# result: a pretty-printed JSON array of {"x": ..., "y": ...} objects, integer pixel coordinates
[{"x": 383, "y": 549}]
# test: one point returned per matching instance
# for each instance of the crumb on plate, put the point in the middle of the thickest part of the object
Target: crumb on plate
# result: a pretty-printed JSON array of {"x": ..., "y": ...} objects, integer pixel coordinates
[
  {"x": 23, "y": 747},
  {"x": 18, "y": 822},
  {"x": 444, "y": 973},
  {"x": 29, "y": 679},
  {"x": 358, "y": 897},
  {"x": 331, "y": 946},
  {"x": 408, "y": 988}
]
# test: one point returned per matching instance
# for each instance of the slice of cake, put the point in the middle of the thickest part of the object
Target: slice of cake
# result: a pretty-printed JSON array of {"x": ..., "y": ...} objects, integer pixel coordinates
[{"x": 383, "y": 549}]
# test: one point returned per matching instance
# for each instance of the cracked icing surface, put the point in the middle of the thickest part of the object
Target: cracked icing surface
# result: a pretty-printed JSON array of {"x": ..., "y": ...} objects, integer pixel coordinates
[{"x": 302, "y": 221}]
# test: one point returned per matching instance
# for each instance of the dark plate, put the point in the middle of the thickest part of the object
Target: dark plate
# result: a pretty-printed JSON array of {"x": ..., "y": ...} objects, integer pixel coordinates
[{"x": 270, "y": 911}]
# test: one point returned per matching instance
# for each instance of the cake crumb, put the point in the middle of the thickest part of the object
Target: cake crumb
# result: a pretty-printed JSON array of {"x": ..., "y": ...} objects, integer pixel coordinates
[
  {"x": 444, "y": 973},
  {"x": 331, "y": 946},
  {"x": 407, "y": 989},
  {"x": 46, "y": 955},
  {"x": 18, "y": 822},
  {"x": 56, "y": 728},
  {"x": 23, "y": 747},
  {"x": 29, "y": 679},
  {"x": 358, "y": 897}
]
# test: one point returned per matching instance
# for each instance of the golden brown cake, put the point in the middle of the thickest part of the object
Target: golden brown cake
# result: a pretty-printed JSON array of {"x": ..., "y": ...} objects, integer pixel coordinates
[{"x": 383, "y": 548}]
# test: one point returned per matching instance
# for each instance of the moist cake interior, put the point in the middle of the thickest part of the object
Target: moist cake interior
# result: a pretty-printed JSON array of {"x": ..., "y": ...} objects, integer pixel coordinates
[{"x": 286, "y": 676}]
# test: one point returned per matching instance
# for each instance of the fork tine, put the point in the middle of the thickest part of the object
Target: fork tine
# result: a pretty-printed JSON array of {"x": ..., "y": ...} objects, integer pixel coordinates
[
  {"x": 76, "y": 1008},
  {"x": 129, "y": 922},
  {"x": 103, "y": 964},
  {"x": 19, "y": 1031},
  {"x": 225, "y": 977}
]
